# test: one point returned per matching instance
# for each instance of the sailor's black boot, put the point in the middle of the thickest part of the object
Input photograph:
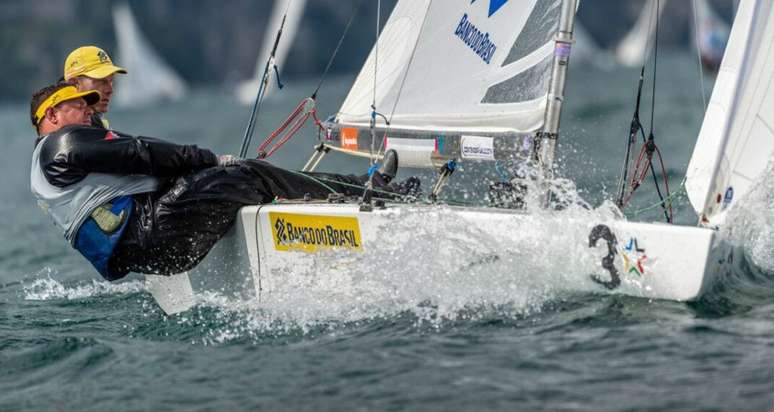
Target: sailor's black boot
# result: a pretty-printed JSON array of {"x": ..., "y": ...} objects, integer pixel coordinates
[{"x": 389, "y": 167}]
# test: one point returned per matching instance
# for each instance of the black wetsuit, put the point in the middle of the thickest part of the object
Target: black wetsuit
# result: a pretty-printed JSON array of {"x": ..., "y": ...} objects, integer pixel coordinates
[{"x": 171, "y": 229}]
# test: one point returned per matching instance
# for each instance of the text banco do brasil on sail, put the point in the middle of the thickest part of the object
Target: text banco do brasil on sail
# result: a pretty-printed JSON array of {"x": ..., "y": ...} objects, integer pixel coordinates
[{"x": 479, "y": 42}]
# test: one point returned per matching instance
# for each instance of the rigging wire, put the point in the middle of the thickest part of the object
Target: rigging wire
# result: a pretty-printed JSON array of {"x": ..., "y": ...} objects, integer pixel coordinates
[
  {"x": 405, "y": 76},
  {"x": 306, "y": 108},
  {"x": 639, "y": 169},
  {"x": 655, "y": 71},
  {"x": 681, "y": 190},
  {"x": 636, "y": 126},
  {"x": 366, "y": 199},
  {"x": 321, "y": 180},
  {"x": 262, "y": 87},
  {"x": 698, "y": 55},
  {"x": 376, "y": 67},
  {"x": 336, "y": 50},
  {"x": 650, "y": 145},
  {"x": 374, "y": 113},
  {"x": 410, "y": 61}
]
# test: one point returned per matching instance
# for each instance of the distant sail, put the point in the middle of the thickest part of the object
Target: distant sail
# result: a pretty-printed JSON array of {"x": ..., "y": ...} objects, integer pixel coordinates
[
  {"x": 736, "y": 141},
  {"x": 247, "y": 90},
  {"x": 635, "y": 46},
  {"x": 712, "y": 34},
  {"x": 149, "y": 79},
  {"x": 585, "y": 47}
]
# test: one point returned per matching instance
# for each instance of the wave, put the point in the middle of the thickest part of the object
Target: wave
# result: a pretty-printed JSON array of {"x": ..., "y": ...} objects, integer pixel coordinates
[
  {"x": 749, "y": 228},
  {"x": 468, "y": 274},
  {"x": 52, "y": 289}
]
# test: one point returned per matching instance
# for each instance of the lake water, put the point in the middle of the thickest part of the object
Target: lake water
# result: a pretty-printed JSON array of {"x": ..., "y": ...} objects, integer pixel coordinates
[{"x": 70, "y": 341}]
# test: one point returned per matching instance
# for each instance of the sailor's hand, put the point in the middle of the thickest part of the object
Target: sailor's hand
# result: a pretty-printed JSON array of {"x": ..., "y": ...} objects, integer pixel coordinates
[{"x": 228, "y": 160}]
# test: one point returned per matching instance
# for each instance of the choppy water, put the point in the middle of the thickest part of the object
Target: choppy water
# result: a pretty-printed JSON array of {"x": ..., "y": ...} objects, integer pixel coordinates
[{"x": 420, "y": 331}]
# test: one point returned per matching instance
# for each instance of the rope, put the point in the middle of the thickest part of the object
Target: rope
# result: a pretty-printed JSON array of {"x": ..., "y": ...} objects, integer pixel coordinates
[
  {"x": 376, "y": 66},
  {"x": 411, "y": 60},
  {"x": 262, "y": 88},
  {"x": 639, "y": 175},
  {"x": 366, "y": 199},
  {"x": 306, "y": 108},
  {"x": 336, "y": 50},
  {"x": 292, "y": 124},
  {"x": 405, "y": 76},
  {"x": 698, "y": 55},
  {"x": 636, "y": 125},
  {"x": 640, "y": 169},
  {"x": 680, "y": 191},
  {"x": 317, "y": 179},
  {"x": 320, "y": 180},
  {"x": 634, "y": 129},
  {"x": 655, "y": 70}
]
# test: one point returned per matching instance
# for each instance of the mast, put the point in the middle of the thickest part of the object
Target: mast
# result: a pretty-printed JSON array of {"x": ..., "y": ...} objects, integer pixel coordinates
[{"x": 563, "y": 43}]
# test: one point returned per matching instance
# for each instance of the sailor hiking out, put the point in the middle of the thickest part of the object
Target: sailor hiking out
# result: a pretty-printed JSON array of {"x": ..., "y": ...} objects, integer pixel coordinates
[{"x": 141, "y": 204}]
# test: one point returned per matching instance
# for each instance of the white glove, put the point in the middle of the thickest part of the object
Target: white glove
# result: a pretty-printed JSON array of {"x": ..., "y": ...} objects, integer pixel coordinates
[{"x": 228, "y": 160}]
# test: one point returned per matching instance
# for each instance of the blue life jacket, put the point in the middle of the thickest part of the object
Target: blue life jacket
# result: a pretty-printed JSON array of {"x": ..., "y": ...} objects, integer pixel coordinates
[{"x": 96, "y": 244}]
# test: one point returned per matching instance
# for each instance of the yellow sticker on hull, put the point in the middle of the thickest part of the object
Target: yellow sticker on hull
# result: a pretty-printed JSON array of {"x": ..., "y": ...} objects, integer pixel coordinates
[{"x": 311, "y": 233}]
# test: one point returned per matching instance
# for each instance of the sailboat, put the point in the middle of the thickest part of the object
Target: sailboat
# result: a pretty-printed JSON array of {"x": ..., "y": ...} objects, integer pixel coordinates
[
  {"x": 586, "y": 48},
  {"x": 709, "y": 29},
  {"x": 294, "y": 10},
  {"x": 635, "y": 46},
  {"x": 150, "y": 79},
  {"x": 712, "y": 34},
  {"x": 473, "y": 83}
]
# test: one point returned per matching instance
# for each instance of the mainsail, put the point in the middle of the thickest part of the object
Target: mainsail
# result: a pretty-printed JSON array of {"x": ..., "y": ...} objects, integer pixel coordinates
[
  {"x": 471, "y": 67},
  {"x": 446, "y": 68},
  {"x": 149, "y": 79},
  {"x": 736, "y": 140},
  {"x": 634, "y": 47},
  {"x": 246, "y": 91}
]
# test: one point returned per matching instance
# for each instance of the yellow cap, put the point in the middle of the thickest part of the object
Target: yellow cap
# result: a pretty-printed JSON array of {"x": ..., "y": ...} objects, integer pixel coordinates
[
  {"x": 90, "y": 61},
  {"x": 62, "y": 95}
]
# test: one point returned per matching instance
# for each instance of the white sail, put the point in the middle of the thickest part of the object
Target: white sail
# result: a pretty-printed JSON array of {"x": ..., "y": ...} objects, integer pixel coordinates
[
  {"x": 247, "y": 90},
  {"x": 712, "y": 34},
  {"x": 459, "y": 64},
  {"x": 736, "y": 140},
  {"x": 149, "y": 79},
  {"x": 585, "y": 47},
  {"x": 634, "y": 47}
]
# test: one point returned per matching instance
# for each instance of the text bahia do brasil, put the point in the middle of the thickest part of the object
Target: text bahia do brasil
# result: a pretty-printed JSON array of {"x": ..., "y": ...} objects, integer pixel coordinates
[
  {"x": 473, "y": 37},
  {"x": 327, "y": 236}
]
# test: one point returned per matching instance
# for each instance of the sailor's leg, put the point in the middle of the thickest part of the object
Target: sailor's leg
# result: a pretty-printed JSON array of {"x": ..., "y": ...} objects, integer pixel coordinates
[
  {"x": 288, "y": 184},
  {"x": 197, "y": 210},
  {"x": 182, "y": 224}
]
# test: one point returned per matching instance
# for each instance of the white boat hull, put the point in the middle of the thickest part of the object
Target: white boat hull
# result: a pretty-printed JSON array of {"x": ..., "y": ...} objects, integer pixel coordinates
[{"x": 281, "y": 246}]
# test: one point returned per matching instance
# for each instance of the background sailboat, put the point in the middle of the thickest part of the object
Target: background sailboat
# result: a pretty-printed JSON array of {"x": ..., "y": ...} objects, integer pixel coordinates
[
  {"x": 585, "y": 48},
  {"x": 246, "y": 91},
  {"x": 149, "y": 78},
  {"x": 635, "y": 45},
  {"x": 711, "y": 33}
]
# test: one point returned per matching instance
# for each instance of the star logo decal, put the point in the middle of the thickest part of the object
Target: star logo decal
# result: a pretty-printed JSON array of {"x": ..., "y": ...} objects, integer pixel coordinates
[{"x": 633, "y": 258}]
